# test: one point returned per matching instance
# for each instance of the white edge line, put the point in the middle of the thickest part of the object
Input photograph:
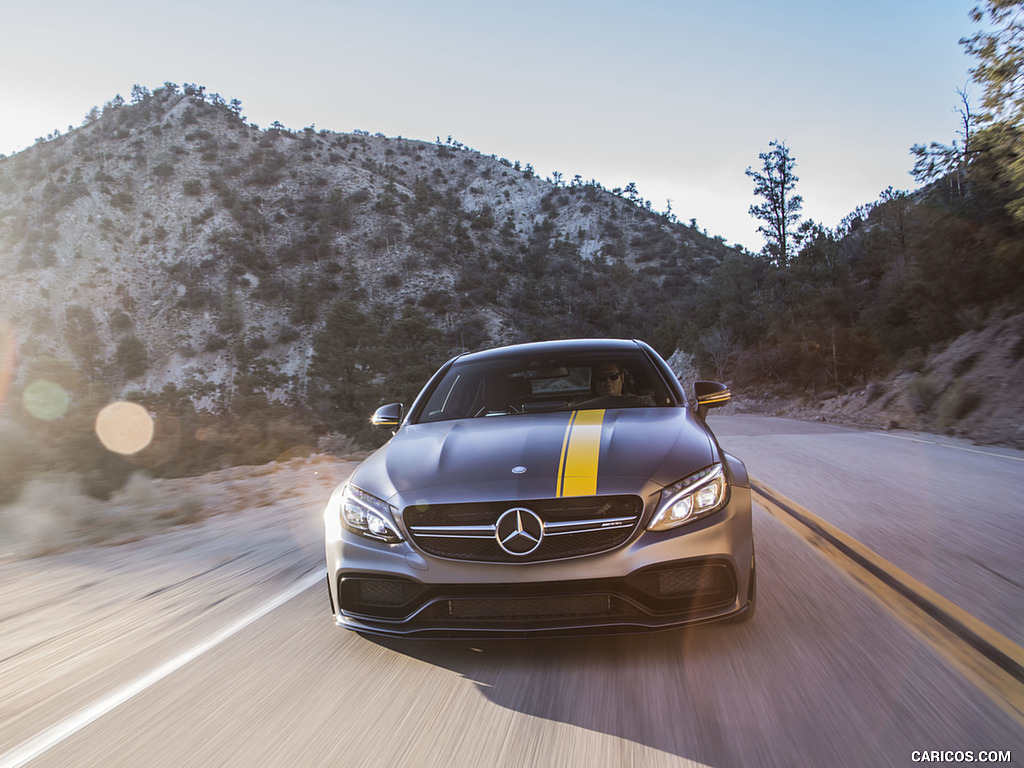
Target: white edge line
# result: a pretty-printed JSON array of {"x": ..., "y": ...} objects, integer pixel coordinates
[
  {"x": 52, "y": 736},
  {"x": 947, "y": 445}
]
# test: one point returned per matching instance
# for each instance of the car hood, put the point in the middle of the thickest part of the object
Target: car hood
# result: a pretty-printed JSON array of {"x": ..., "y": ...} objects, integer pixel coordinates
[{"x": 531, "y": 456}]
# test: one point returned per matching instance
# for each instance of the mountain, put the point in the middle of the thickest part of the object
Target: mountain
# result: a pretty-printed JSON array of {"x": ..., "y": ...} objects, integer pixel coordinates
[{"x": 168, "y": 252}]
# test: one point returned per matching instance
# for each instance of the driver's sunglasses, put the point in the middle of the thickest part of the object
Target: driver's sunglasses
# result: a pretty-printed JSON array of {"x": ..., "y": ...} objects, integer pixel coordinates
[{"x": 613, "y": 376}]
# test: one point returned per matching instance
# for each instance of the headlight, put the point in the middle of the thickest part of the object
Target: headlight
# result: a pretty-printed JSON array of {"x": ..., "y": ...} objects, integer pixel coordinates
[
  {"x": 690, "y": 499},
  {"x": 357, "y": 511}
]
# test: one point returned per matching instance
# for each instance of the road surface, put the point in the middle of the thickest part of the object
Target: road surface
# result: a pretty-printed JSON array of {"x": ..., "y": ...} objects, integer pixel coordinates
[{"x": 212, "y": 645}]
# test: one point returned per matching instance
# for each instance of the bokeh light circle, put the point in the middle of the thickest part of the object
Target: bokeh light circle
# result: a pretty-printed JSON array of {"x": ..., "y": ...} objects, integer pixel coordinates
[
  {"x": 124, "y": 427},
  {"x": 46, "y": 400}
]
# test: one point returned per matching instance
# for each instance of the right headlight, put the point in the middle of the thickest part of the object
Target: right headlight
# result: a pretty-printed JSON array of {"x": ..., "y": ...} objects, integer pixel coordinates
[
  {"x": 691, "y": 498},
  {"x": 357, "y": 511}
]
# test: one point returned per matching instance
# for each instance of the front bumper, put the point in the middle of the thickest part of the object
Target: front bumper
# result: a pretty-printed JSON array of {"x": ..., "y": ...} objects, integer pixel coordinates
[{"x": 658, "y": 580}]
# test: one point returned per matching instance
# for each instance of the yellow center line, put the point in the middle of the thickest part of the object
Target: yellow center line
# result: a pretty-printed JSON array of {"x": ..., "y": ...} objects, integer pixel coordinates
[{"x": 993, "y": 662}]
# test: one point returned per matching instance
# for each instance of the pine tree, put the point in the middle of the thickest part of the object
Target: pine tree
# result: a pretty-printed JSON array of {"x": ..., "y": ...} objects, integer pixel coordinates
[
  {"x": 999, "y": 49},
  {"x": 780, "y": 210}
]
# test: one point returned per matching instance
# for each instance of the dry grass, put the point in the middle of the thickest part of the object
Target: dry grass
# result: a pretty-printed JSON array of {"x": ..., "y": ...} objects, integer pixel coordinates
[{"x": 52, "y": 514}]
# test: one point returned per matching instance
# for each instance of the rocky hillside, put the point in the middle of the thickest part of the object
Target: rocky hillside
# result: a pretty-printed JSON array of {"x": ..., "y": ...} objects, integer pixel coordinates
[
  {"x": 260, "y": 291},
  {"x": 167, "y": 242}
]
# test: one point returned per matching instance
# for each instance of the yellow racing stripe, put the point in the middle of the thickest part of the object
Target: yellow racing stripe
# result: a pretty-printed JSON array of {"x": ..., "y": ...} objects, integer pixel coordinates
[
  {"x": 561, "y": 458},
  {"x": 581, "y": 449}
]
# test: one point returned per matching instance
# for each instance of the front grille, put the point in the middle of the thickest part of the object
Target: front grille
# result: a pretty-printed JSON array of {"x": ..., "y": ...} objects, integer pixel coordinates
[{"x": 571, "y": 527}]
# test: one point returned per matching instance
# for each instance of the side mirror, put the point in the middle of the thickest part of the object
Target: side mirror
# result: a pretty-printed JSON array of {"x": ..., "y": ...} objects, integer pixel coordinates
[
  {"x": 710, "y": 394},
  {"x": 387, "y": 416}
]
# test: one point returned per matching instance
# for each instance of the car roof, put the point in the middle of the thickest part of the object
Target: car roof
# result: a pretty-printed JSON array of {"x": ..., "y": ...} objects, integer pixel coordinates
[{"x": 559, "y": 347}]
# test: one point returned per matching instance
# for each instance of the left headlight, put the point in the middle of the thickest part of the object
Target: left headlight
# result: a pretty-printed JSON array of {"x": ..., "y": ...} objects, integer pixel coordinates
[
  {"x": 357, "y": 511},
  {"x": 691, "y": 498}
]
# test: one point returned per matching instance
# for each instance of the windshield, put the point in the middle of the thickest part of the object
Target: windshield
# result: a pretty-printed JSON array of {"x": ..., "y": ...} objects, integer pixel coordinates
[{"x": 512, "y": 386}]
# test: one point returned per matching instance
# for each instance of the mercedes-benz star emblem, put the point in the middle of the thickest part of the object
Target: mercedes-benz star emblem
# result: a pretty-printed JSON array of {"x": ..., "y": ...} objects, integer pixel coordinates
[{"x": 519, "y": 531}]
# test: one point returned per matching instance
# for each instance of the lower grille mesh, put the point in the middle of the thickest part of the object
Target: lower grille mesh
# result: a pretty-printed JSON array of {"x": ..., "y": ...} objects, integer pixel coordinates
[
  {"x": 538, "y": 608},
  {"x": 675, "y": 589},
  {"x": 707, "y": 583}
]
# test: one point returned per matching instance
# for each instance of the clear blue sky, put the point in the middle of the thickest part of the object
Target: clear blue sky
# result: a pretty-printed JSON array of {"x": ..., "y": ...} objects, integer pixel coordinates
[{"x": 676, "y": 96}]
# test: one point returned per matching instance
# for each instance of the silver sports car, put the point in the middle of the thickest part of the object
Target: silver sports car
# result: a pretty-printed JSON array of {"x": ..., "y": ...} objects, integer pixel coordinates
[{"x": 543, "y": 489}]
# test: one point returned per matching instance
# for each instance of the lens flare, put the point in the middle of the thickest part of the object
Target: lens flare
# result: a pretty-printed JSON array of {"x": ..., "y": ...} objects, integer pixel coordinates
[
  {"x": 8, "y": 357},
  {"x": 124, "y": 427},
  {"x": 46, "y": 400}
]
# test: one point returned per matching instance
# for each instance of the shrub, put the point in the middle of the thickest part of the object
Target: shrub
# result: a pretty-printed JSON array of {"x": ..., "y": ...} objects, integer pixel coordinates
[
  {"x": 51, "y": 510},
  {"x": 18, "y": 458},
  {"x": 914, "y": 361},
  {"x": 192, "y": 187},
  {"x": 1018, "y": 349},
  {"x": 264, "y": 177},
  {"x": 957, "y": 402},
  {"x": 964, "y": 364},
  {"x": 436, "y": 300},
  {"x": 288, "y": 335},
  {"x": 339, "y": 445},
  {"x": 145, "y": 504},
  {"x": 132, "y": 357},
  {"x": 922, "y": 393},
  {"x": 122, "y": 200},
  {"x": 215, "y": 344}
]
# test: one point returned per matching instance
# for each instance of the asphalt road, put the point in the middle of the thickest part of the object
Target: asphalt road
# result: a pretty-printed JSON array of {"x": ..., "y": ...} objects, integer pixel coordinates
[
  {"x": 171, "y": 651},
  {"x": 949, "y": 513}
]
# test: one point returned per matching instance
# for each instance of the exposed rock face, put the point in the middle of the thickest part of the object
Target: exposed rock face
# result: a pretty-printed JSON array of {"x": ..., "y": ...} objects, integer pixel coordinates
[{"x": 683, "y": 366}]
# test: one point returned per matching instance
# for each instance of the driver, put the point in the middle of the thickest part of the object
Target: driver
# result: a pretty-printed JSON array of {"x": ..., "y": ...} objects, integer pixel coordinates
[{"x": 607, "y": 379}]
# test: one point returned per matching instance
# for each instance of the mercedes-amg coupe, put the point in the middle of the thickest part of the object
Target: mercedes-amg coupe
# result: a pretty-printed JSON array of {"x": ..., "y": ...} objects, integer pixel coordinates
[{"x": 560, "y": 487}]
